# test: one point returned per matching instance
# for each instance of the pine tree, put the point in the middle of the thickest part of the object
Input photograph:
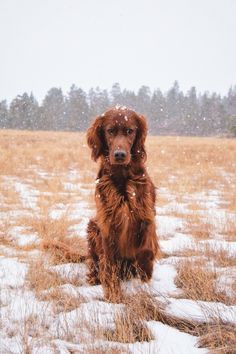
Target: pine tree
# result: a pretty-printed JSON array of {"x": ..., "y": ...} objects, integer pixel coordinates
[
  {"x": 23, "y": 112},
  {"x": 53, "y": 113},
  {"x": 77, "y": 109},
  {"x": 4, "y": 123},
  {"x": 116, "y": 96},
  {"x": 129, "y": 99},
  {"x": 143, "y": 104},
  {"x": 98, "y": 102},
  {"x": 158, "y": 112}
]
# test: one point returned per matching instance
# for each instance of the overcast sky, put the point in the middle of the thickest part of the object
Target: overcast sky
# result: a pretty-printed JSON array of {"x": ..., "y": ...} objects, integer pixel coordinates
[{"x": 46, "y": 43}]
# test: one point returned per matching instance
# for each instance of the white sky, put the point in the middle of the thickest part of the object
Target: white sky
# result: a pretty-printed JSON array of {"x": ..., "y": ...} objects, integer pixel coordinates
[{"x": 46, "y": 43}]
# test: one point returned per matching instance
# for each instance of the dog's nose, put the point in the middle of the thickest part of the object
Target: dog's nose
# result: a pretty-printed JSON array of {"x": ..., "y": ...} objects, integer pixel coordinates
[{"x": 120, "y": 154}]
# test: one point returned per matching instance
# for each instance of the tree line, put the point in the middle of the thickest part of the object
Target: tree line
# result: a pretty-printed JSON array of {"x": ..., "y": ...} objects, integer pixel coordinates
[{"x": 169, "y": 113}]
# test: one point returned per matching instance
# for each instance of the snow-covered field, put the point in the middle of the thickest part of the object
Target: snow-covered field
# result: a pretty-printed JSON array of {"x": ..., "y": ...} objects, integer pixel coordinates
[{"x": 66, "y": 315}]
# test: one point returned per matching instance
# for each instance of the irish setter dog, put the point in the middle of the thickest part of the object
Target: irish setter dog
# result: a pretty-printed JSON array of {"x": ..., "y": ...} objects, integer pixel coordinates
[{"x": 122, "y": 237}]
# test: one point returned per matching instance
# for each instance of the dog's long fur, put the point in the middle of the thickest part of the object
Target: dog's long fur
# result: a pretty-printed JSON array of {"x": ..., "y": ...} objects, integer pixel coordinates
[{"x": 122, "y": 237}]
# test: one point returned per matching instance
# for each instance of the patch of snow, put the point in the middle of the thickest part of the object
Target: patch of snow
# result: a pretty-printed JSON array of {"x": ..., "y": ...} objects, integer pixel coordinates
[
  {"x": 21, "y": 238},
  {"x": 12, "y": 272},
  {"x": 78, "y": 187},
  {"x": 167, "y": 225},
  {"x": 225, "y": 280},
  {"x": 176, "y": 243},
  {"x": 22, "y": 309},
  {"x": 28, "y": 196},
  {"x": 169, "y": 340},
  {"x": 163, "y": 279},
  {"x": 73, "y": 175},
  {"x": 172, "y": 207},
  {"x": 201, "y": 310},
  {"x": 70, "y": 271},
  {"x": 94, "y": 312},
  {"x": 91, "y": 292},
  {"x": 81, "y": 210},
  {"x": 218, "y": 245},
  {"x": 14, "y": 343},
  {"x": 80, "y": 228}
]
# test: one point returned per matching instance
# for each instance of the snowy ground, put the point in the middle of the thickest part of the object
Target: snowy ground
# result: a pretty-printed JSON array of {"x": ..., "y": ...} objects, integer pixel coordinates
[{"x": 31, "y": 325}]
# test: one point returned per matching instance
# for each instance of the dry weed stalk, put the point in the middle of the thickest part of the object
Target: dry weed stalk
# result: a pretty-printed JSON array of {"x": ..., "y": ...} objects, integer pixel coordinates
[
  {"x": 55, "y": 238},
  {"x": 40, "y": 278},
  {"x": 199, "y": 282},
  {"x": 229, "y": 228},
  {"x": 62, "y": 301},
  {"x": 219, "y": 338},
  {"x": 129, "y": 329},
  {"x": 222, "y": 257},
  {"x": 68, "y": 250},
  {"x": 197, "y": 227},
  {"x": 115, "y": 349},
  {"x": 214, "y": 334},
  {"x": 147, "y": 307}
]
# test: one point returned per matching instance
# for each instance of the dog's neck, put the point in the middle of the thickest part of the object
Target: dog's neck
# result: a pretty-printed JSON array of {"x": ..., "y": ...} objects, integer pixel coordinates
[{"x": 121, "y": 173}]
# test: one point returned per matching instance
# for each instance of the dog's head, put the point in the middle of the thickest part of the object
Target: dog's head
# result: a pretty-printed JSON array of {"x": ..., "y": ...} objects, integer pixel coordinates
[{"x": 118, "y": 135}]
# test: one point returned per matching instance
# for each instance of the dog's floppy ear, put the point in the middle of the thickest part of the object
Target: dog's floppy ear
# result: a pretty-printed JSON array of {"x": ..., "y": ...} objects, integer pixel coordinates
[
  {"x": 95, "y": 138},
  {"x": 138, "y": 149}
]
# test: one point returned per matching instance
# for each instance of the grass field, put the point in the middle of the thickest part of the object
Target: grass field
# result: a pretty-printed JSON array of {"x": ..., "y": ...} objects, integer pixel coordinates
[{"x": 47, "y": 181}]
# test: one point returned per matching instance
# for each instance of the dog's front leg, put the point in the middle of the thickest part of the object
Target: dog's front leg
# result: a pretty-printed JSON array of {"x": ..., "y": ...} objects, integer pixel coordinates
[
  {"x": 145, "y": 260},
  {"x": 147, "y": 252},
  {"x": 94, "y": 239},
  {"x": 109, "y": 272}
]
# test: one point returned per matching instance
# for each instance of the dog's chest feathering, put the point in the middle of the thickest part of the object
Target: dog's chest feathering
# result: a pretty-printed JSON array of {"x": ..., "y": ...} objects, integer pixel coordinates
[{"x": 129, "y": 234}]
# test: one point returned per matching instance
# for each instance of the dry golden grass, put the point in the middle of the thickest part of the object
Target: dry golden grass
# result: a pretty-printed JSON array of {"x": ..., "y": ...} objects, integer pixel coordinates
[
  {"x": 199, "y": 282},
  {"x": 191, "y": 250},
  {"x": 39, "y": 278},
  {"x": 69, "y": 250},
  {"x": 96, "y": 349},
  {"x": 220, "y": 256},
  {"x": 147, "y": 307},
  {"x": 189, "y": 165},
  {"x": 195, "y": 206},
  {"x": 197, "y": 227},
  {"x": 57, "y": 239},
  {"x": 183, "y": 167},
  {"x": 62, "y": 302},
  {"x": 219, "y": 338},
  {"x": 129, "y": 329},
  {"x": 5, "y": 239},
  {"x": 193, "y": 164},
  {"x": 50, "y": 152},
  {"x": 229, "y": 228},
  {"x": 9, "y": 196},
  {"x": 215, "y": 334}
]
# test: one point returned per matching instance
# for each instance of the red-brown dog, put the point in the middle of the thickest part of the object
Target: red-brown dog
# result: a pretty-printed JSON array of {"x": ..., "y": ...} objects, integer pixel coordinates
[{"x": 122, "y": 237}]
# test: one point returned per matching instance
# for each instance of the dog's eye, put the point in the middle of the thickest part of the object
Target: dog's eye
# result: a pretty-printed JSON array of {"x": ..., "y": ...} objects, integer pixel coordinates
[
  {"x": 129, "y": 131},
  {"x": 110, "y": 131}
]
